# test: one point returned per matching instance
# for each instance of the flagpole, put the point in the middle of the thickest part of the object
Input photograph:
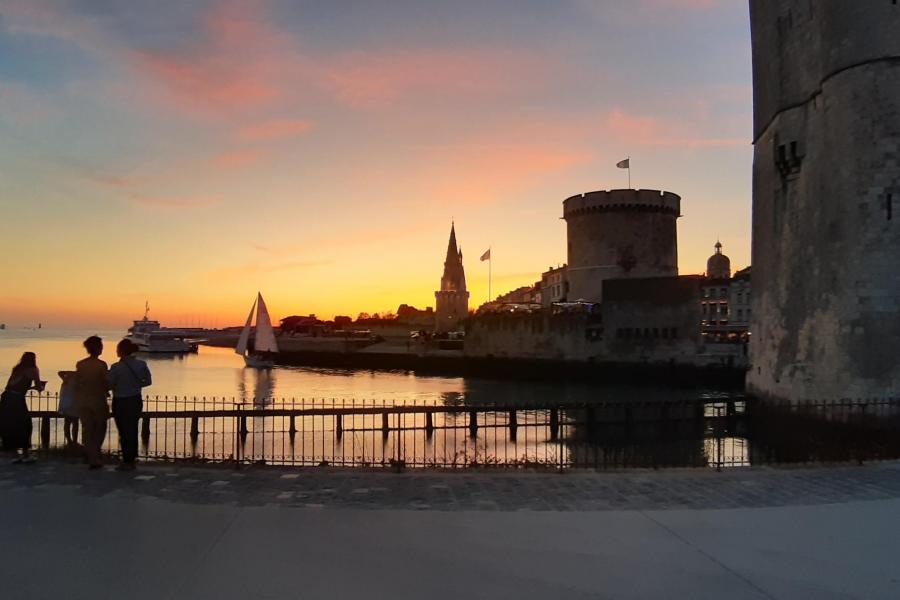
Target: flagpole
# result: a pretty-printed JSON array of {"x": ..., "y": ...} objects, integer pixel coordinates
[{"x": 490, "y": 268}]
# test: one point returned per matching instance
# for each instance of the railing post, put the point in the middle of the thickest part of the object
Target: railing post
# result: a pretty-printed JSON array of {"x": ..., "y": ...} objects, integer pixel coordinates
[
  {"x": 429, "y": 424},
  {"x": 195, "y": 428},
  {"x": 145, "y": 430},
  {"x": 292, "y": 429},
  {"x": 473, "y": 423},
  {"x": 385, "y": 424},
  {"x": 513, "y": 425},
  {"x": 45, "y": 432},
  {"x": 554, "y": 424},
  {"x": 240, "y": 433},
  {"x": 338, "y": 426},
  {"x": 590, "y": 421}
]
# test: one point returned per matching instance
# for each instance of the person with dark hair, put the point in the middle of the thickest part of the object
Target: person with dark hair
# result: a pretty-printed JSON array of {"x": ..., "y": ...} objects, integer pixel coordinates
[
  {"x": 90, "y": 399},
  {"x": 15, "y": 420},
  {"x": 126, "y": 378}
]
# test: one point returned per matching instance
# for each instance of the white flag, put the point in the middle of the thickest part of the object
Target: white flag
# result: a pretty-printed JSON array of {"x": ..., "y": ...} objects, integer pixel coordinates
[
  {"x": 624, "y": 164},
  {"x": 486, "y": 255}
]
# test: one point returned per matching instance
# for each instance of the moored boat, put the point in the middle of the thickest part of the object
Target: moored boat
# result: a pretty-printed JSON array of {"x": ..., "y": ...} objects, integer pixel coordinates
[{"x": 150, "y": 336}]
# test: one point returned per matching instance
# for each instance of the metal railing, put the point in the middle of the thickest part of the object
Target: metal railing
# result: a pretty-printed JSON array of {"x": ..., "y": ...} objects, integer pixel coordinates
[{"x": 704, "y": 432}]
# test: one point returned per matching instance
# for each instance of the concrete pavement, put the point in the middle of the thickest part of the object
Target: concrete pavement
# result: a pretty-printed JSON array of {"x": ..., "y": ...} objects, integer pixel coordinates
[{"x": 802, "y": 533}]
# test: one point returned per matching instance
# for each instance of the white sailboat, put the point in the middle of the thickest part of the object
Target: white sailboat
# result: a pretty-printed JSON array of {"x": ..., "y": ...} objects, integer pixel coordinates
[{"x": 264, "y": 344}]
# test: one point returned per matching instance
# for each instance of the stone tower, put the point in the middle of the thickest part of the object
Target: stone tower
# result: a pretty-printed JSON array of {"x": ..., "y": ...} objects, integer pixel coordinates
[
  {"x": 619, "y": 234},
  {"x": 452, "y": 300},
  {"x": 826, "y": 199}
]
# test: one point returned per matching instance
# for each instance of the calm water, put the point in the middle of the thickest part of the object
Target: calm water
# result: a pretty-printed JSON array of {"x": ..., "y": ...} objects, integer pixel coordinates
[{"x": 219, "y": 372}]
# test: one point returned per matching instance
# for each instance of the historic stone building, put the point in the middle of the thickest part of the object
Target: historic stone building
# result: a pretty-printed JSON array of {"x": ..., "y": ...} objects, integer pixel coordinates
[
  {"x": 452, "y": 300},
  {"x": 619, "y": 234},
  {"x": 554, "y": 285},
  {"x": 826, "y": 199}
]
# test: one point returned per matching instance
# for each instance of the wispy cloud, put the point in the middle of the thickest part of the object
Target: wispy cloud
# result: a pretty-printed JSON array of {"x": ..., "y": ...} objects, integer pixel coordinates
[
  {"x": 133, "y": 190},
  {"x": 274, "y": 129},
  {"x": 239, "y": 158},
  {"x": 256, "y": 268},
  {"x": 174, "y": 201},
  {"x": 656, "y": 131}
]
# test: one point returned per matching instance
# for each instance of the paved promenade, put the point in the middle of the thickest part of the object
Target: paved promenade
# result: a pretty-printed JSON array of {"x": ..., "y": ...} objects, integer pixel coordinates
[{"x": 212, "y": 532}]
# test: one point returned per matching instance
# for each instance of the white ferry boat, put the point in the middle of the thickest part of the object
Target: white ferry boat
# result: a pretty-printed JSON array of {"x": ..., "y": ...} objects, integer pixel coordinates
[{"x": 150, "y": 336}]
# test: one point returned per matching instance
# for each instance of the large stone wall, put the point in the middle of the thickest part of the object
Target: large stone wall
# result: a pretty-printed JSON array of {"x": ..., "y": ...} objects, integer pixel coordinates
[
  {"x": 653, "y": 320},
  {"x": 619, "y": 234},
  {"x": 826, "y": 199}
]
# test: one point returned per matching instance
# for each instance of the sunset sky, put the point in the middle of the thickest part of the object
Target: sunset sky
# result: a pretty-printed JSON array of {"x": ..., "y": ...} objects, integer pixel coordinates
[{"x": 191, "y": 153}]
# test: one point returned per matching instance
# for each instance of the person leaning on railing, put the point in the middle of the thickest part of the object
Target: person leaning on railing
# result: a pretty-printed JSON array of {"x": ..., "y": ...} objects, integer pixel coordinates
[
  {"x": 15, "y": 420},
  {"x": 90, "y": 399},
  {"x": 126, "y": 378}
]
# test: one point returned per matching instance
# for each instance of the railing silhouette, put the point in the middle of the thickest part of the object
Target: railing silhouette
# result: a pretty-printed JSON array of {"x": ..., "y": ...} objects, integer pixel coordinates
[{"x": 713, "y": 432}]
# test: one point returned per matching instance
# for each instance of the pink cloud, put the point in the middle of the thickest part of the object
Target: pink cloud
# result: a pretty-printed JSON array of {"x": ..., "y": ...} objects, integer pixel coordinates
[
  {"x": 239, "y": 158},
  {"x": 377, "y": 81},
  {"x": 202, "y": 86},
  {"x": 274, "y": 129},
  {"x": 656, "y": 131}
]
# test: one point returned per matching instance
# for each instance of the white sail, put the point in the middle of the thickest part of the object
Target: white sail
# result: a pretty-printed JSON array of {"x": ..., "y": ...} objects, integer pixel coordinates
[
  {"x": 241, "y": 347},
  {"x": 265, "y": 335}
]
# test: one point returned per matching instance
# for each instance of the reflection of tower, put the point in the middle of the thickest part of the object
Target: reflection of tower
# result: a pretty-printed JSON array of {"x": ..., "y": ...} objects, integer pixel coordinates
[{"x": 452, "y": 301}]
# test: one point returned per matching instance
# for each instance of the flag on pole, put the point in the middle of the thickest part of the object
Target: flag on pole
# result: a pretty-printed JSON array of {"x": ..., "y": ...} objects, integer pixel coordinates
[
  {"x": 486, "y": 255},
  {"x": 624, "y": 164}
]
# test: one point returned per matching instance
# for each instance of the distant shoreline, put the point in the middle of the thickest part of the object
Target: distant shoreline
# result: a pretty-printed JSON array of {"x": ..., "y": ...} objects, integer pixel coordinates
[{"x": 337, "y": 353}]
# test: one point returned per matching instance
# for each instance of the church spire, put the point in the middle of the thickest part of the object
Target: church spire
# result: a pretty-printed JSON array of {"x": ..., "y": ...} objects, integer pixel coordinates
[
  {"x": 452, "y": 300},
  {"x": 454, "y": 278}
]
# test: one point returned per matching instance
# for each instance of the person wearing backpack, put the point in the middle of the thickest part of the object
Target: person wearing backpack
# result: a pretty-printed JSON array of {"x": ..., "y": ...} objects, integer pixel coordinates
[{"x": 126, "y": 378}]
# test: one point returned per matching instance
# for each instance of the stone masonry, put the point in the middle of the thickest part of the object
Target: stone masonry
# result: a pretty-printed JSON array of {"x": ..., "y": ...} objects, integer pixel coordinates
[{"x": 826, "y": 199}]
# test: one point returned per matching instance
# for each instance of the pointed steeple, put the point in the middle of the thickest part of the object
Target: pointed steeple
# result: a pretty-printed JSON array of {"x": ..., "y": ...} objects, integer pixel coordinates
[
  {"x": 452, "y": 252},
  {"x": 454, "y": 279},
  {"x": 452, "y": 300}
]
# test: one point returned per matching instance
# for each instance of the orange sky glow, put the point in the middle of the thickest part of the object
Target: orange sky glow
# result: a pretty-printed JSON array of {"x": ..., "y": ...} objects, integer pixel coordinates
[{"x": 192, "y": 154}]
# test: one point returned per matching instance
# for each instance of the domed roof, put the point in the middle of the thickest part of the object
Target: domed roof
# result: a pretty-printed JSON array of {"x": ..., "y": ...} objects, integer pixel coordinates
[{"x": 718, "y": 266}]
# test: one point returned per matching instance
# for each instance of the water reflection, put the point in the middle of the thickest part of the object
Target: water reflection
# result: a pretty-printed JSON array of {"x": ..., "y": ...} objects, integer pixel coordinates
[{"x": 260, "y": 381}]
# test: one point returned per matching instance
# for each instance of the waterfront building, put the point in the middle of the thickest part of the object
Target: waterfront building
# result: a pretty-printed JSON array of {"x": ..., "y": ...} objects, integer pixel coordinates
[
  {"x": 554, "y": 285},
  {"x": 452, "y": 300},
  {"x": 725, "y": 302},
  {"x": 619, "y": 234},
  {"x": 739, "y": 301},
  {"x": 826, "y": 200},
  {"x": 415, "y": 318}
]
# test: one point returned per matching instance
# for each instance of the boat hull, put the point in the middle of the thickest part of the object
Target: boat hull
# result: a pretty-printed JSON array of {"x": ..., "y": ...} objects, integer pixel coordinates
[{"x": 258, "y": 363}]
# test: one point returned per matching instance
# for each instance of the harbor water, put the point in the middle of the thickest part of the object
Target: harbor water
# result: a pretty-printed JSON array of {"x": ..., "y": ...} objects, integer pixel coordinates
[{"x": 450, "y": 421}]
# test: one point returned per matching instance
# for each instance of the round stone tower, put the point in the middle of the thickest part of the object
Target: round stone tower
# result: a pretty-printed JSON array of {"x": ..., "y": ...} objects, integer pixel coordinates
[
  {"x": 826, "y": 199},
  {"x": 619, "y": 234}
]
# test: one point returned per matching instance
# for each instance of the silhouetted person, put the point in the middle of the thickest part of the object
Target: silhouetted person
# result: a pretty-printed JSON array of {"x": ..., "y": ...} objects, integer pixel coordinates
[
  {"x": 67, "y": 407},
  {"x": 90, "y": 399},
  {"x": 15, "y": 420},
  {"x": 125, "y": 379}
]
